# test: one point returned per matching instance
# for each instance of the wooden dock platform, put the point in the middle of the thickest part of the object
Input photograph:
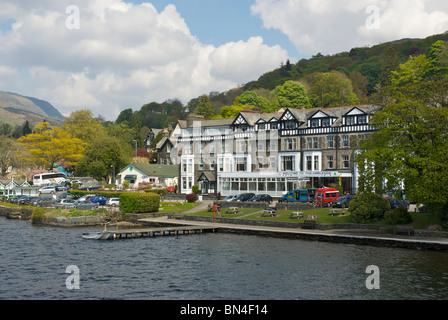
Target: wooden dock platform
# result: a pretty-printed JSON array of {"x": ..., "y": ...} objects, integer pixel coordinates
[{"x": 153, "y": 232}]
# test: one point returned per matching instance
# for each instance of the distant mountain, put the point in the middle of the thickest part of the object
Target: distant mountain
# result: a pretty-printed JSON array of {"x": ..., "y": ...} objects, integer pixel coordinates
[{"x": 15, "y": 109}]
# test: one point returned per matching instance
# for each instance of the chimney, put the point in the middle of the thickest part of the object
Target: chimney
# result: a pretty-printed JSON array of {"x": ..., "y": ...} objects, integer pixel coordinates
[{"x": 191, "y": 118}]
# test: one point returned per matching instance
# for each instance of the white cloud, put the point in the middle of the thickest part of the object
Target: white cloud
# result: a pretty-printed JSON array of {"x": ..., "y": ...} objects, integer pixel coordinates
[
  {"x": 122, "y": 56},
  {"x": 331, "y": 26}
]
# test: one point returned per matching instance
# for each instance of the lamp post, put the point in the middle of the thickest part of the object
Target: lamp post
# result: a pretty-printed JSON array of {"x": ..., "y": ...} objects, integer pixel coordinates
[{"x": 113, "y": 175}]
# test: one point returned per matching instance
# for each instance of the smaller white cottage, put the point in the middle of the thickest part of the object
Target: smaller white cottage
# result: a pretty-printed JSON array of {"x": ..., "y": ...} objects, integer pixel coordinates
[
  {"x": 158, "y": 175},
  {"x": 10, "y": 188}
]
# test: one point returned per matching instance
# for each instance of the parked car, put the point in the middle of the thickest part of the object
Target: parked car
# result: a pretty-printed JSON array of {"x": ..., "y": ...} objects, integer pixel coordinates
[
  {"x": 84, "y": 205},
  {"x": 43, "y": 202},
  {"x": 100, "y": 200},
  {"x": 59, "y": 187},
  {"x": 65, "y": 204},
  {"x": 261, "y": 198},
  {"x": 88, "y": 197},
  {"x": 342, "y": 202},
  {"x": 47, "y": 189},
  {"x": 26, "y": 200},
  {"x": 399, "y": 203},
  {"x": 113, "y": 202},
  {"x": 230, "y": 198},
  {"x": 244, "y": 197}
]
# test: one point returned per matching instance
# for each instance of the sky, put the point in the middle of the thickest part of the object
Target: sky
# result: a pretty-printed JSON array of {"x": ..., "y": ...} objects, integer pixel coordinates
[{"x": 110, "y": 55}]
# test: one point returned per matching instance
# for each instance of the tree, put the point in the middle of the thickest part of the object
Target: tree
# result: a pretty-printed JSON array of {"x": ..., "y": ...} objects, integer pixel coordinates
[
  {"x": 390, "y": 64},
  {"x": 204, "y": 107},
  {"x": 408, "y": 151},
  {"x": 291, "y": 94},
  {"x": 100, "y": 155},
  {"x": 331, "y": 89},
  {"x": 8, "y": 153},
  {"x": 81, "y": 124},
  {"x": 48, "y": 145}
]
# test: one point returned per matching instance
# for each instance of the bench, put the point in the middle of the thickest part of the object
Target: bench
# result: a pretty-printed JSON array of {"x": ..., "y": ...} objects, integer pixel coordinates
[
  {"x": 177, "y": 216},
  {"x": 308, "y": 224},
  {"x": 404, "y": 230}
]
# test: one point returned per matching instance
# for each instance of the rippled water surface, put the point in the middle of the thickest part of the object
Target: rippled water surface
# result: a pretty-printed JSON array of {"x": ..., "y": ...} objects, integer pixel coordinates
[{"x": 33, "y": 262}]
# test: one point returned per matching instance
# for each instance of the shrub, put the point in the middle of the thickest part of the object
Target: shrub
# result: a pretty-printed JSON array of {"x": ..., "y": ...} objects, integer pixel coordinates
[
  {"x": 398, "y": 215},
  {"x": 191, "y": 197},
  {"x": 162, "y": 192},
  {"x": 195, "y": 189},
  {"x": 38, "y": 216},
  {"x": 368, "y": 207},
  {"x": 139, "y": 202},
  {"x": 125, "y": 184}
]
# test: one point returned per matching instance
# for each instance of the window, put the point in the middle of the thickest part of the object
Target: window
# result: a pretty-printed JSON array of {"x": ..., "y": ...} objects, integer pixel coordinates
[
  {"x": 240, "y": 164},
  {"x": 290, "y": 125},
  {"x": 330, "y": 162},
  {"x": 309, "y": 164},
  {"x": 212, "y": 147},
  {"x": 345, "y": 162},
  {"x": 290, "y": 144},
  {"x": 330, "y": 142},
  {"x": 212, "y": 165},
  {"x": 349, "y": 121},
  {"x": 288, "y": 163},
  {"x": 309, "y": 143},
  {"x": 314, "y": 123},
  {"x": 326, "y": 122},
  {"x": 201, "y": 165},
  {"x": 362, "y": 119},
  {"x": 316, "y": 163},
  {"x": 274, "y": 125},
  {"x": 345, "y": 141},
  {"x": 315, "y": 142},
  {"x": 261, "y": 126}
]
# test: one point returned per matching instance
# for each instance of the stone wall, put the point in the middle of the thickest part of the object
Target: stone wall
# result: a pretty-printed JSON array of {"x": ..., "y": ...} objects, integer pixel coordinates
[{"x": 16, "y": 213}]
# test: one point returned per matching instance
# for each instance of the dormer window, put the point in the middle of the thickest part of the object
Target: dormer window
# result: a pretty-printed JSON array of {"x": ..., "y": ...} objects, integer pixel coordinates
[
  {"x": 350, "y": 121},
  {"x": 314, "y": 123},
  {"x": 326, "y": 122}
]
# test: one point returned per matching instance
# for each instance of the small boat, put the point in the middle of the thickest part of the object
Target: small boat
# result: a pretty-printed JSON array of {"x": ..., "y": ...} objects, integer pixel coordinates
[{"x": 97, "y": 235}]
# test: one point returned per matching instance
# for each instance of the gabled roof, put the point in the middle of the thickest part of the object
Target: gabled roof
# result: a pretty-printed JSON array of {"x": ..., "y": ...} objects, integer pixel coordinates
[{"x": 155, "y": 170}]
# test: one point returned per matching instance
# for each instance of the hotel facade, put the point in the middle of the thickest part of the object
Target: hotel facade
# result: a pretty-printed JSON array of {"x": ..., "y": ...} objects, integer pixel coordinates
[{"x": 271, "y": 153}]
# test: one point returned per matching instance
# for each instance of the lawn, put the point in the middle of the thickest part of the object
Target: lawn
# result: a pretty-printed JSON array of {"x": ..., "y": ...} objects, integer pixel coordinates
[{"x": 420, "y": 220}]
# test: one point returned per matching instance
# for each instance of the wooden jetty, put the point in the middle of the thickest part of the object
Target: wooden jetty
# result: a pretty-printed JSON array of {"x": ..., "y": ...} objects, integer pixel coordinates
[{"x": 153, "y": 232}]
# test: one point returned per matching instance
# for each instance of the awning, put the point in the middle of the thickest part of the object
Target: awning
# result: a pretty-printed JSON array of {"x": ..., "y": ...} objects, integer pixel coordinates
[{"x": 130, "y": 177}]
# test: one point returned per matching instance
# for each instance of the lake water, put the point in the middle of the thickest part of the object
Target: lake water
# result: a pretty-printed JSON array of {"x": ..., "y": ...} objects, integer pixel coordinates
[{"x": 33, "y": 262}]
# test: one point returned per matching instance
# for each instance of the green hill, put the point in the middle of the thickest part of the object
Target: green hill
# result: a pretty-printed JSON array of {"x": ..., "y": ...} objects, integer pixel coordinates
[
  {"x": 15, "y": 109},
  {"x": 367, "y": 61}
]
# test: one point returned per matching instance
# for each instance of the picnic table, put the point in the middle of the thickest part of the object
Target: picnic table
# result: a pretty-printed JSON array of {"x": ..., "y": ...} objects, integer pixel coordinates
[
  {"x": 269, "y": 213},
  {"x": 232, "y": 210},
  {"x": 312, "y": 217},
  {"x": 336, "y": 211},
  {"x": 296, "y": 215}
]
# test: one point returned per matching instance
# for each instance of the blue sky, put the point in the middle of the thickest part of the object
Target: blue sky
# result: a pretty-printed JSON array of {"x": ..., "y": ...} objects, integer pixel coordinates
[
  {"x": 218, "y": 22},
  {"x": 125, "y": 53}
]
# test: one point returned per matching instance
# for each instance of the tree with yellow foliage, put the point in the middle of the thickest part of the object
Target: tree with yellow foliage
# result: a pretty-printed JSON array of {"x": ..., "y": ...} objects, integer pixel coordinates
[{"x": 48, "y": 145}]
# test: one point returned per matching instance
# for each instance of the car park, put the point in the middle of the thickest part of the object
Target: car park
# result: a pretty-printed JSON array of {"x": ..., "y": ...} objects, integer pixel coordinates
[
  {"x": 26, "y": 200},
  {"x": 261, "y": 198},
  {"x": 113, "y": 202}
]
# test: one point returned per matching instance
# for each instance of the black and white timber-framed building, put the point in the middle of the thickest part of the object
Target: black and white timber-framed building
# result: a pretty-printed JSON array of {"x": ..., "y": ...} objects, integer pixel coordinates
[{"x": 271, "y": 153}]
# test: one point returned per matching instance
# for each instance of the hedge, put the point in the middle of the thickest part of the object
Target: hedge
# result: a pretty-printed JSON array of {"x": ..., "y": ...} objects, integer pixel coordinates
[{"x": 139, "y": 202}]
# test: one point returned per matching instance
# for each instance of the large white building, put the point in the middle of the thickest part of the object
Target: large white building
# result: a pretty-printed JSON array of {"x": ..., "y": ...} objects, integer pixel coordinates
[{"x": 271, "y": 153}]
